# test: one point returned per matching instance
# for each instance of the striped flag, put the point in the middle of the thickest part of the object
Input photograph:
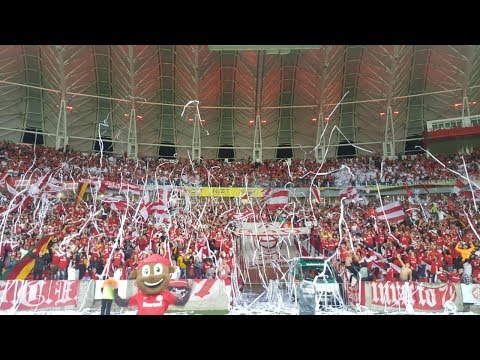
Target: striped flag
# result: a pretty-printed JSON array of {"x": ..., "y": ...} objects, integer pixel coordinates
[
  {"x": 391, "y": 212},
  {"x": 157, "y": 208},
  {"x": 278, "y": 199}
]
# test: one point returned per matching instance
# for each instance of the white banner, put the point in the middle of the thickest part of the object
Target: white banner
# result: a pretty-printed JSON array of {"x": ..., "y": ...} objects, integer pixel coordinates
[
  {"x": 471, "y": 294},
  {"x": 265, "y": 244}
]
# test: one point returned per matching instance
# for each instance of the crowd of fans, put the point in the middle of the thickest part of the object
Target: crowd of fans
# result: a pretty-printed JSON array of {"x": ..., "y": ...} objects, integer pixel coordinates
[
  {"x": 71, "y": 165},
  {"x": 437, "y": 240},
  {"x": 78, "y": 252}
]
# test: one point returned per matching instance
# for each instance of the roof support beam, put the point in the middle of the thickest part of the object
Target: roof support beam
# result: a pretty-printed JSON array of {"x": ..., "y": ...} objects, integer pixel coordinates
[
  {"x": 196, "y": 136},
  {"x": 389, "y": 142},
  {"x": 132, "y": 145},
  {"x": 33, "y": 118},
  {"x": 320, "y": 145},
  {"x": 257, "y": 136},
  {"x": 228, "y": 63},
  {"x": 167, "y": 133},
  {"x": 347, "y": 121},
  {"x": 61, "y": 136},
  {"x": 104, "y": 123},
  {"x": 418, "y": 77},
  {"x": 287, "y": 97},
  {"x": 468, "y": 71}
]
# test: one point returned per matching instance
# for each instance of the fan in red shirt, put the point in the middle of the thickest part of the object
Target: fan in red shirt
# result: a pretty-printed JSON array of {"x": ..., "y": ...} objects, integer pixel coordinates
[
  {"x": 390, "y": 273},
  {"x": 152, "y": 278}
]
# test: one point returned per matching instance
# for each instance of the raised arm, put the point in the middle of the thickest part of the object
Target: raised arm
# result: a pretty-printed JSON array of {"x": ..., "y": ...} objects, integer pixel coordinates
[
  {"x": 118, "y": 300},
  {"x": 401, "y": 261}
]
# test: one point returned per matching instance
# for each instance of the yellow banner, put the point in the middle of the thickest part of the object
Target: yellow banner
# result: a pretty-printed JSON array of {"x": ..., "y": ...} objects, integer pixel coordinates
[{"x": 224, "y": 191}]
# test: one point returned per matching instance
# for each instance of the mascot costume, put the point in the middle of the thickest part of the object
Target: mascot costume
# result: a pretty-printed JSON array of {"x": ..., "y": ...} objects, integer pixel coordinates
[{"x": 152, "y": 278}]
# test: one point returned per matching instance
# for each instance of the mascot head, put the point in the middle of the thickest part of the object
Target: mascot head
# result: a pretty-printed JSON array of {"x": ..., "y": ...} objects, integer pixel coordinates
[{"x": 152, "y": 274}]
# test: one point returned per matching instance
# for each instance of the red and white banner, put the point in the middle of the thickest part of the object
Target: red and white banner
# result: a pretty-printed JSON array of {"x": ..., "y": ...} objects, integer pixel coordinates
[
  {"x": 391, "y": 212},
  {"x": 420, "y": 296},
  {"x": 32, "y": 295}
]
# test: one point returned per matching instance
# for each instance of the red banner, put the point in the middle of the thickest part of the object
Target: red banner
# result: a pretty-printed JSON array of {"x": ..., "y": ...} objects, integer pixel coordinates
[
  {"x": 449, "y": 134},
  {"x": 395, "y": 294},
  {"x": 31, "y": 295}
]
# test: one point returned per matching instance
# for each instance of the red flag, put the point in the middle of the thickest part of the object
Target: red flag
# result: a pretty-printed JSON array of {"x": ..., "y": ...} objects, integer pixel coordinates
[{"x": 316, "y": 193}]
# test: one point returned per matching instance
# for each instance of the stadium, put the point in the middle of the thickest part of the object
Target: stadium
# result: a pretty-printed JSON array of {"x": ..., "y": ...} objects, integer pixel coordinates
[{"x": 239, "y": 179}]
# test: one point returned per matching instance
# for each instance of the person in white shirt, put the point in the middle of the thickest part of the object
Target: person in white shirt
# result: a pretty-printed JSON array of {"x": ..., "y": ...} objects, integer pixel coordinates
[{"x": 72, "y": 273}]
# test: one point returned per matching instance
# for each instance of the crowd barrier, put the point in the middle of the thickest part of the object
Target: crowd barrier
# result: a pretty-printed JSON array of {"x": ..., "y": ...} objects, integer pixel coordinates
[{"x": 211, "y": 295}]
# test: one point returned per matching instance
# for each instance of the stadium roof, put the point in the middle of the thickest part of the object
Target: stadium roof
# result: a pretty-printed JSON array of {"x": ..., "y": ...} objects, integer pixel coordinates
[{"x": 294, "y": 90}]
